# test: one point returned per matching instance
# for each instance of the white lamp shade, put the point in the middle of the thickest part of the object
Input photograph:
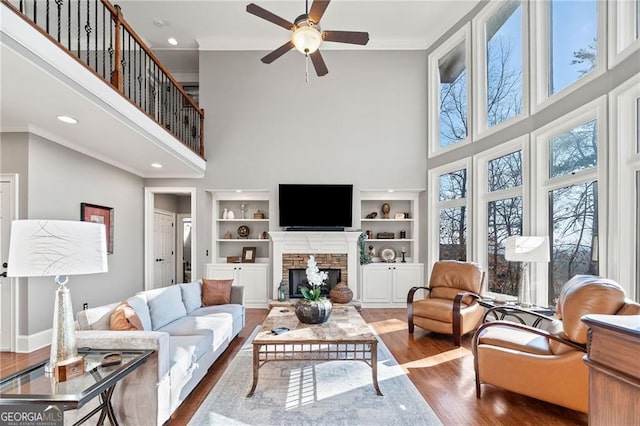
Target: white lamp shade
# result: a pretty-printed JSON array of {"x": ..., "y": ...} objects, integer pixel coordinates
[
  {"x": 526, "y": 249},
  {"x": 56, "y": 247}
]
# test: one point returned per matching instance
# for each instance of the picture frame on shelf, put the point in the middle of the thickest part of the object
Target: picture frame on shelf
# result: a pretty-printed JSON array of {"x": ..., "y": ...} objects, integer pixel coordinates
[
  {"x": 248, "y": 254},
  {"x": 99, "y": 214}
]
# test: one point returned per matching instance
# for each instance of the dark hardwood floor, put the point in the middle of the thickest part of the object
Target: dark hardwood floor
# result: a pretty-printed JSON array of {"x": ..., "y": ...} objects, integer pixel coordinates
[{"x": 442, "y": 373}]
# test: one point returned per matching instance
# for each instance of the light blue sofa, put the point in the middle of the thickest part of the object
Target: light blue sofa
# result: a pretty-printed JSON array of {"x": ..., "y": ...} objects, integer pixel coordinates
[{"x": 187, "y": 339}]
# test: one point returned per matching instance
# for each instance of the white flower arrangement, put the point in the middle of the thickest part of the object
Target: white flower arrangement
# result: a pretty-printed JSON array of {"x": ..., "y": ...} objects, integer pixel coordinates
[{"x": 316, "y": 279}]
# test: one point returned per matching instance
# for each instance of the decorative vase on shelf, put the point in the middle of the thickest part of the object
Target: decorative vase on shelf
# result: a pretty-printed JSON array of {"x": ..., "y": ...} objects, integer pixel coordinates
[
  {"x": 313, "y": 312},
  {"x": 225, "y": 214},
  {"x": 341, "y": 293},
  {"x": 230, "y": 215}
]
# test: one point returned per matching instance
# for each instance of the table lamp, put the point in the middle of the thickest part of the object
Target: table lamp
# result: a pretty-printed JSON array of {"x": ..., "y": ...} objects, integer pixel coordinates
[
  {"x": 40, "y": 248},
  {"x": 526, "y": 250}
]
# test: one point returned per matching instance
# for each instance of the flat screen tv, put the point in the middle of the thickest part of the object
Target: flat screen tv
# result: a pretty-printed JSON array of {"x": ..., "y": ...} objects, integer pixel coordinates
[{"x": 315, "y": 207}]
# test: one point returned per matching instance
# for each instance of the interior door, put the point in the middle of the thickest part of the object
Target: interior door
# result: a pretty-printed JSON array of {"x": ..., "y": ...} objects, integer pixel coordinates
[
  {"x": 164, "y": 236},
  {"x": 6, "y": 291}
]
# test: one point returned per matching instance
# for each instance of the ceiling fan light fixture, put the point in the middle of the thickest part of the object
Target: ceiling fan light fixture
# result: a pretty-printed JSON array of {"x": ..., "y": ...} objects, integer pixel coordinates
[{"x": 306, "y": 37}]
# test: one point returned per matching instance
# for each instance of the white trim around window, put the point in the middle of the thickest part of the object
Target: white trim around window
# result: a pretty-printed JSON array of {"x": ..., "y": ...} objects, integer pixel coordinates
[
  {"x": 540, "y": 162},
  {"x": 433, "y": 89},
  {"x": 623, "y": 40},
  {"x": 623, "y": 191},
  {"x": 483, "y": 196},
  {"x": 433, "y": 218},
  {"x": 479, "y": 104},
  {"x": 539, "y": 44}
]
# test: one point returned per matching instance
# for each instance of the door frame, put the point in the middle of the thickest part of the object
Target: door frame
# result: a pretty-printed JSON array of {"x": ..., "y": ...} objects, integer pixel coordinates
[
  {"x": 180, "y": 244},
  {"x": 12, "y": 328},
  {"x": 149, "y": 209}
]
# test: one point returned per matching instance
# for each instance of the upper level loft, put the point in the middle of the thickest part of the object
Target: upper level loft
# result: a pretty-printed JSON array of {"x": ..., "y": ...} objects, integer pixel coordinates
[{"x": 81, "y": 59}]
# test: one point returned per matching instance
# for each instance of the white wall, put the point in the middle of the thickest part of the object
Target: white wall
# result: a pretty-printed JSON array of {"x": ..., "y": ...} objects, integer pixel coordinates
[{"x": 59, "y": 180}]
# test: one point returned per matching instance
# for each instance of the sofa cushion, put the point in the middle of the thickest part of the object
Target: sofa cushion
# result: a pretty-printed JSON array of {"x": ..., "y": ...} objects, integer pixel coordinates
[
  {"x": 187, "y": 350},
  {"x": 515, "y": 339},
  {"x": 165, "y": 306},
  {"x": 216, "y": 292},
  {"x": 139, "y": 304},
  {"x": 124, "y": 318},
  {"x": 219, "y": 327},
  {"x": 191, "y": 295}
]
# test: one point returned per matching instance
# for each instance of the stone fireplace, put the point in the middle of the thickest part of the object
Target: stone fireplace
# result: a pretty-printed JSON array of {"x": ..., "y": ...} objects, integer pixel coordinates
[
  {"x": 294, "y": 267},
  {"x": 332, "y": 250}
]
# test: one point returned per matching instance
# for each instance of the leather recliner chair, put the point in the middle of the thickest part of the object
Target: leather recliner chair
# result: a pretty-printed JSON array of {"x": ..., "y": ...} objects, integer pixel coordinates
[
  {"x": 546, "y": 363},
  {"x": 451, "y": 303}
]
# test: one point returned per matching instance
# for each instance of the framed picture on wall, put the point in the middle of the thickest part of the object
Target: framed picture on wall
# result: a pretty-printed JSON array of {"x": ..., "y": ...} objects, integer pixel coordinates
[
  {"x": 248, "y": 254},
  {"x": 194, "y": 93},
  {"x": 99, "y": 214}
]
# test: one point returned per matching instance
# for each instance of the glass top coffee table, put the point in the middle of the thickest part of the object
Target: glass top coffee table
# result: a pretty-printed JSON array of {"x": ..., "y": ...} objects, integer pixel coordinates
[
  {"x": 345, "y": 336},
  {"x": 33, "y": 386}
]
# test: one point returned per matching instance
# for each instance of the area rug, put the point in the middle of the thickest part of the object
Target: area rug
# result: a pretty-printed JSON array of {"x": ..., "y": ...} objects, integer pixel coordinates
[{"x": 314, "y": 394}]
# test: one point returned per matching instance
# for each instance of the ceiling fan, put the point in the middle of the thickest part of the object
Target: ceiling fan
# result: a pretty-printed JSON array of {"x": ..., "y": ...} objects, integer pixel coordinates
[{"x": 306, "y": 35}]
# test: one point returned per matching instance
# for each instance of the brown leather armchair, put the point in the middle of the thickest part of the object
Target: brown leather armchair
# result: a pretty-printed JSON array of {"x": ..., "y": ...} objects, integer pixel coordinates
[
  {"x": 546, "y": 363},
  {"x": 450, "y": 305}
]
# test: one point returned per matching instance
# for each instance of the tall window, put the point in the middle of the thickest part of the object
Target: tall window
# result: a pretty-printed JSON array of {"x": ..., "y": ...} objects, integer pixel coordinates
[
  {"x": 452, "y": 213},
  {"x": 503, "y": 32},
  {"x": 573, "y": 46},
  {"x": 453, "y": 96},
  {"x": 573, "y": 208},
  {"x": 504, "y": 219}
]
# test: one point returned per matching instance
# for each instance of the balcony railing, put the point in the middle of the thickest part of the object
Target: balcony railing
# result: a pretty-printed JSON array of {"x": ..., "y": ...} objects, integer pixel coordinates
[{"x": 95, "y": 32}]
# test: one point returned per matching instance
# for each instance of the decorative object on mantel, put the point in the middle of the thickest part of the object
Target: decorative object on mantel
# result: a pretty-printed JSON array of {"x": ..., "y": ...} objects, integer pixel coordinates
[
  {"x": 341, "y": 293},
  {"x": 386, "y": 208},
  {"x": 364, "y": 256},
  {"x": 372, "y": 215},
  {"x": 313, "y": 309},
  {"x": 258, "y": 215}
]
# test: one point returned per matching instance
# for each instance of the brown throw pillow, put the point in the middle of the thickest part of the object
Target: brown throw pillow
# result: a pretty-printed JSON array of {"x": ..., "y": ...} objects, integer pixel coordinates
[
  {"x": 124, "y": 318},
  {"x": 216, "y": 292}
]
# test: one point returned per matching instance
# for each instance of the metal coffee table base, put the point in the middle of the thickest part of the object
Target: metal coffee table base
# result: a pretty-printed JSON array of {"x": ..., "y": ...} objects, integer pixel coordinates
[{"x": 325, "y": 351}]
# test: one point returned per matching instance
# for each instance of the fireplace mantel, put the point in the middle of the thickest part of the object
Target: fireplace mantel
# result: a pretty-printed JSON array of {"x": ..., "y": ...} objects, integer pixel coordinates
[{"x": 314, "y": 242}]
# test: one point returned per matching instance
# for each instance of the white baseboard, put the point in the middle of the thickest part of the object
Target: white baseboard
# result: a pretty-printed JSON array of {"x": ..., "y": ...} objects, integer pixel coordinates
[{"x": 31, "y": 342}]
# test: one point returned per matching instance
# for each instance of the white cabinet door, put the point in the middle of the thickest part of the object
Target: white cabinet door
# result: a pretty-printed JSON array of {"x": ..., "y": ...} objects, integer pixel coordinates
[
  {"x": 376, "y": 284},
  {"x": 253, "y": 277},
  {"x": 254, "y": 280},
  {"x": 406, "y": 276}
]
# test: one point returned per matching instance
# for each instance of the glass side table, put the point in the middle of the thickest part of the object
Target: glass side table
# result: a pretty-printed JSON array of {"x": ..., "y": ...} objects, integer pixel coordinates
[
  {"x": 500, "y": 311},
  {"x": 33, "y": 386}
]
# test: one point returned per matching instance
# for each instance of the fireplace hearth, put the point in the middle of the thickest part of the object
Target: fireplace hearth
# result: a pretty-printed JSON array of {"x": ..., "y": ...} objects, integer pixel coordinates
[{"x": 298, "y": 278}]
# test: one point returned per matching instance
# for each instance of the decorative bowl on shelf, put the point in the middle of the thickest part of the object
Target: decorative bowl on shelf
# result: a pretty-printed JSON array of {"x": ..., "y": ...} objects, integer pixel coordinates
[{"x": 388, "y": 254}]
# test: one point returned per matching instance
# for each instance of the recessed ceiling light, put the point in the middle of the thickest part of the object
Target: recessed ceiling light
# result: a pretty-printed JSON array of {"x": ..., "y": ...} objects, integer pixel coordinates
[
  {"x": 238, "y": 190},
  {"x": 172, "y": 41},
  {"x": 390, "y": 190},
  {"x": 158, "y": 22},
  {"x": 156, "y": 165},
  {"x": 67, "y": 119}
]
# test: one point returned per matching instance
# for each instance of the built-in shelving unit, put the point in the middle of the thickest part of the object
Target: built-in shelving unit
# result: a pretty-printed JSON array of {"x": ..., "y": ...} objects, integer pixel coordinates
[
  {"x": 227, "y": 238},
  {"x": 386, "y": 281}
]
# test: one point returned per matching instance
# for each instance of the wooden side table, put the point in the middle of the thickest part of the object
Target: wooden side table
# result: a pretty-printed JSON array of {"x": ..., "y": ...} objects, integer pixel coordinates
[{"x": 613, "y": 344}]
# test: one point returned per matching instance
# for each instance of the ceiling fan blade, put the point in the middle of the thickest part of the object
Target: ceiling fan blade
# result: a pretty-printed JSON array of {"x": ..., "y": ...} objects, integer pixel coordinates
[
  {"x": 317, "y": 10},
  {"x": 352, "y": 37},
  {"x": 318, "y": 63},
  {"x": 254, "y": 9},
  {"x": 278, "y": 52}
]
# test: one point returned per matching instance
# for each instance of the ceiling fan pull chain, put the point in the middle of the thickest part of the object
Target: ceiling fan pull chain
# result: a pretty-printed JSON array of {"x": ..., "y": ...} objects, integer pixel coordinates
[{"x": 306, "y": 67}]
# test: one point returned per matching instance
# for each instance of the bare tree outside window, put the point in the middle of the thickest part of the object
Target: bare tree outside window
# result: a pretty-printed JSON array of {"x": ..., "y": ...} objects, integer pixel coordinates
[
  {"x": 453, "y": 96},
  {"x": 504, "y": 219},
  {"x": 453, "y": 220}
]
